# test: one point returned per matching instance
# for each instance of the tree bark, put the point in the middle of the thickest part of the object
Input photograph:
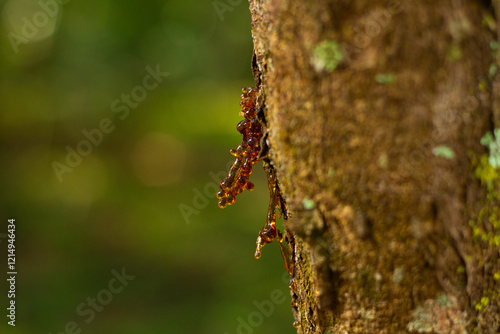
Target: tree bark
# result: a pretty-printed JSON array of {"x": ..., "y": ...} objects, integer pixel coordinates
[{"x": 375, "y": 113}]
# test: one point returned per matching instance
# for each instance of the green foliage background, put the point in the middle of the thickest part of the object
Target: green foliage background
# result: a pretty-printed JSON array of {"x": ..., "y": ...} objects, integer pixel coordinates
[{"x": 120, "y": 206}]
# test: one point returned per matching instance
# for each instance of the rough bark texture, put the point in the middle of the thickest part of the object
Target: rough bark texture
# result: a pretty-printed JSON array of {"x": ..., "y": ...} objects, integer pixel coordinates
[{"x": 387, "y": 236}]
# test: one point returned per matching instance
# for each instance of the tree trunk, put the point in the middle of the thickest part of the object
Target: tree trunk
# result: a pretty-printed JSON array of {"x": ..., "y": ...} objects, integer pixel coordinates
[{"x": 375, "y": 113}]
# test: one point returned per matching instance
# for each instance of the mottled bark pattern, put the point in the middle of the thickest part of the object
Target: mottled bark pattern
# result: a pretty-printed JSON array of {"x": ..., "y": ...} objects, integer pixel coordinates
[{"x": 381, "y": 226}]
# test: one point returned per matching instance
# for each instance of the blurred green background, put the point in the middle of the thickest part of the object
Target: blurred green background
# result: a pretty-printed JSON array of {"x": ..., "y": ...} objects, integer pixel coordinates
[{"x": 62, "y": 67}]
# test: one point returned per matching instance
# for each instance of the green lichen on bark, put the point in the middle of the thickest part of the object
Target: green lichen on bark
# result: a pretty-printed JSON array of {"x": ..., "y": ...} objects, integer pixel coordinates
[
  {"x": 485, "y": 227},
  {"x": 326, "y": 56}
]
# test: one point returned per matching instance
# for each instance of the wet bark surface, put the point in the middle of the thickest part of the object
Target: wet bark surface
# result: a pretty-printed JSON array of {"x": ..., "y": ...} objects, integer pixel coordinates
[{"x": 375, "y": 112}]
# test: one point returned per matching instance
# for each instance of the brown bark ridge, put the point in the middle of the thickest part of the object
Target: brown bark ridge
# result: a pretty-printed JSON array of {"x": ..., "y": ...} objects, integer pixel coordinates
[{"x": 375, "y": 113}]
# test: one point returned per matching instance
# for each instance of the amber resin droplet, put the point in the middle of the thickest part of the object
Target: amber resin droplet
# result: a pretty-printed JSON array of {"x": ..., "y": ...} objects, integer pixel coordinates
[
  {"x": 237, "y": 180},
  {"x": 246, "y": 153},
  {"x": 269, "y": 233}
]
